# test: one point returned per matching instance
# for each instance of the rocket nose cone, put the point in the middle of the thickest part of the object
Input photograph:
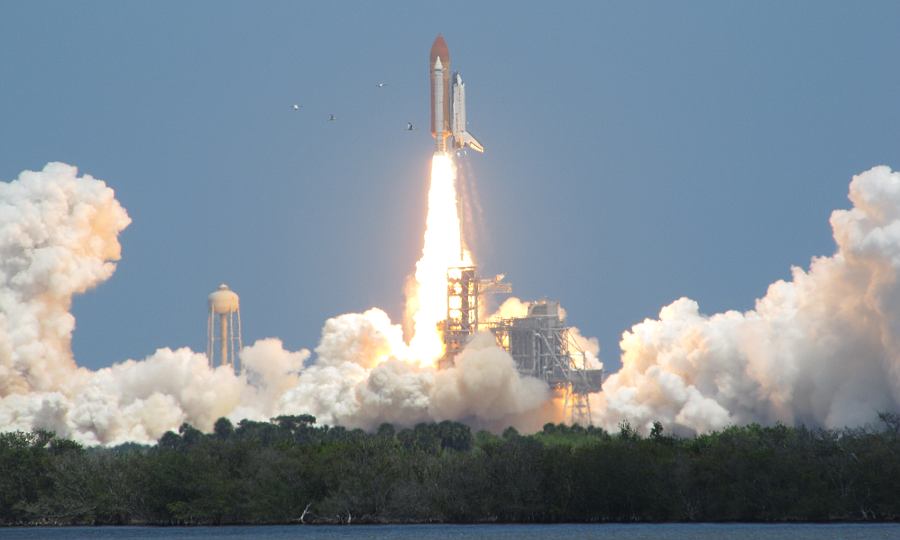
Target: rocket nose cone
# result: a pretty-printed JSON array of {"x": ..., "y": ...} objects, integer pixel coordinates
[{"x": 439, "y": 48}]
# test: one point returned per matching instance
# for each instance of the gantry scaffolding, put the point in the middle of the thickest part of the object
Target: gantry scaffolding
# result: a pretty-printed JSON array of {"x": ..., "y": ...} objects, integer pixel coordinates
[
  {"x": 540, "y": 343},
  {"x": 464, "y": 290}
]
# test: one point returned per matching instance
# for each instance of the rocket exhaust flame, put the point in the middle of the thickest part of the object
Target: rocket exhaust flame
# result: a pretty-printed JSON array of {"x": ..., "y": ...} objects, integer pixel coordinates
[
  {"x": 444, "y": 248},
  {"x": 444, "y": 243}
]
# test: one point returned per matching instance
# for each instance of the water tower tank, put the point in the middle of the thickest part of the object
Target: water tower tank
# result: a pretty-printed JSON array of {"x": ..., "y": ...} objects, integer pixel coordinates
[
  {"x": 224, "y": 328},
  {"x": 223, "y": 300}
]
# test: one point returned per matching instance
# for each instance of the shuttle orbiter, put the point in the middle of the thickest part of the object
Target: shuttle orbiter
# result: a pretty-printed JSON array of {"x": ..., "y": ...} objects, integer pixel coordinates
[{"x": 448, "y": 103}]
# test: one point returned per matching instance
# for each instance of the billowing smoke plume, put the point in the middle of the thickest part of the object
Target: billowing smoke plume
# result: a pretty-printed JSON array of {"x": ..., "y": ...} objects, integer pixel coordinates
[
  {"x": 820, "y": 349},
  {"x": 58, "y": 237},
  {"x": 356, "y": 382}
]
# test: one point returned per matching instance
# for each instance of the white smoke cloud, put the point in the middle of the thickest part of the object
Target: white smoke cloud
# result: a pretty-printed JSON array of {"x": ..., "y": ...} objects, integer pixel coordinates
[
  {"x": 820, "y": 349},
  {"x": 356, "y": 382},
  {"x": 59, "y": 237},
  {"x": 484, "y": 383}
]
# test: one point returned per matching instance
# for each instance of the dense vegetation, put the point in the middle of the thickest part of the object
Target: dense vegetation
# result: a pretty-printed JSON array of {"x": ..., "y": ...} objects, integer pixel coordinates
[{"x": 290, "y": 470}]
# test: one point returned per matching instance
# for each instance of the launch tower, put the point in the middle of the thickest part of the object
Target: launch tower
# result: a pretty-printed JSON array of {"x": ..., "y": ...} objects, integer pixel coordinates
[
  {"x": 463, "y": 292},
  {"x": 539, "y": 343}
]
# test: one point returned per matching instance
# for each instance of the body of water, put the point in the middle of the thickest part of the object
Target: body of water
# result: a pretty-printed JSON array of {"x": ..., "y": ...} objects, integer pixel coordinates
[{"x": 842, "y": 531}]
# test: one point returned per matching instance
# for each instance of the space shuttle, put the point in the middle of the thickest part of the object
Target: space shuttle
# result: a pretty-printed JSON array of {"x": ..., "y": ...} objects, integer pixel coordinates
[{"x": 448, "y": 103}]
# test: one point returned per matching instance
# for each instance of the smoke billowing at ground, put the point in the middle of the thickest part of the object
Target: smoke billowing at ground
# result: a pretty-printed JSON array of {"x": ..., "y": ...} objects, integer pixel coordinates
[
  {"x": 820, "y": 349},
  {"x": 59, "y": 237}
]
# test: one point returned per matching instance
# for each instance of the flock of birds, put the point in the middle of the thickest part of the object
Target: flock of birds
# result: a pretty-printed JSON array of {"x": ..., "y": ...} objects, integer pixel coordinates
[{"x": 331, "y": 117}]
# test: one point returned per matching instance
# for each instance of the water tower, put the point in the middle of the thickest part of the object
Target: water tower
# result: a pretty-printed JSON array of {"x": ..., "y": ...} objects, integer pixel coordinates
[{"x": 223, "y": 328}]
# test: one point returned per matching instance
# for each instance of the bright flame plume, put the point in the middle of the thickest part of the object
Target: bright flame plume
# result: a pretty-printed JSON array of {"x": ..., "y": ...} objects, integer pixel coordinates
[{"x": 444, "y": 248}]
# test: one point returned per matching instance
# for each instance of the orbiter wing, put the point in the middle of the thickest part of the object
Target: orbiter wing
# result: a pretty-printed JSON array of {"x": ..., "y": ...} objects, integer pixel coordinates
[{"x": 466, "y": 139}]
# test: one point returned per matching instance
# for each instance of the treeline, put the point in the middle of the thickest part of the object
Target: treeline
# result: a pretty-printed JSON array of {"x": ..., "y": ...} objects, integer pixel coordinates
[{"x": 290, "y": 470}]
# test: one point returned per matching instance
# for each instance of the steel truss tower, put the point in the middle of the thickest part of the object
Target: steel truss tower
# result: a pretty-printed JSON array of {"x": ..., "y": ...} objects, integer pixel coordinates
[{"x": 539, "y": 343}]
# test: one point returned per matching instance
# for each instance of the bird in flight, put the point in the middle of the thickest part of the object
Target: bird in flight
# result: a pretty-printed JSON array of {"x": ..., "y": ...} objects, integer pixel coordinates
[
  {"x": 409, "y": 126},
  {"x": 295, "y": 107},
  {"x": 331, "y": 118},
  {"x": 381, "y": 84}
]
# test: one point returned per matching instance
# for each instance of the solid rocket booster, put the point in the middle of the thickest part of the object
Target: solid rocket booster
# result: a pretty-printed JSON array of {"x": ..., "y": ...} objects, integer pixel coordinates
[
  {"x": 439, "y": 67},
  {"x": 448, "y": 102}
]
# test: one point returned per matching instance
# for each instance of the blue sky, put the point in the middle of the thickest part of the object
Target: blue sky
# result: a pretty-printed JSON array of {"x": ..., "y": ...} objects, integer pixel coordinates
[{"x": 636, "y": 151}]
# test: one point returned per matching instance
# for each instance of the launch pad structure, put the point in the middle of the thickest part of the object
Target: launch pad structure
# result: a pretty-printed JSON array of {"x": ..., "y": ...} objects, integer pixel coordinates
[{"x": 539, "y": 343}]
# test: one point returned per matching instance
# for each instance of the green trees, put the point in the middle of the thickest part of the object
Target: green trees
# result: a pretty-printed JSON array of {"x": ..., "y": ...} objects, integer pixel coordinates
[
  {"x": 24, "y": 459},
  {"x": 290, "y": 470}
]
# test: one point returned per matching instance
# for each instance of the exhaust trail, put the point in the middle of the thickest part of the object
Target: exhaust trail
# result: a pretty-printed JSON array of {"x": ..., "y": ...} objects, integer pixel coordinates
[{"x": 443, "y": 248}]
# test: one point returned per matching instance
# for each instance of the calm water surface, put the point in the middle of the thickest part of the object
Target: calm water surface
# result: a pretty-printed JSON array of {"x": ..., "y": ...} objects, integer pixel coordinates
[{"x": 504, "y": 532}]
